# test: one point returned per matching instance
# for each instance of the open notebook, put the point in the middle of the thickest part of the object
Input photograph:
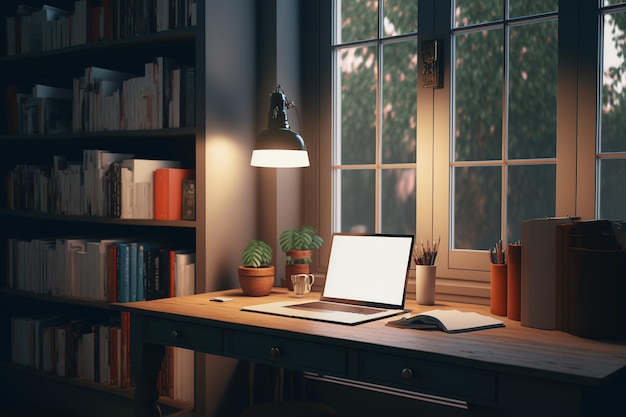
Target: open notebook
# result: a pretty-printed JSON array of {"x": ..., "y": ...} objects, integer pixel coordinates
[{"x": 365, "y": 281}]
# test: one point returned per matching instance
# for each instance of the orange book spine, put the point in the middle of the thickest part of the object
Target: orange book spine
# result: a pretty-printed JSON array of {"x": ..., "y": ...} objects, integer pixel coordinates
[
  {"x": 168, "y": 192},
  {"x": 160, "y": 194}
]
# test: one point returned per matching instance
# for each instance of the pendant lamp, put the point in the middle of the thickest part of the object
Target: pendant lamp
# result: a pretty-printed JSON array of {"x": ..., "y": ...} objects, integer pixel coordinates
[{"x": 279, "y": 146}]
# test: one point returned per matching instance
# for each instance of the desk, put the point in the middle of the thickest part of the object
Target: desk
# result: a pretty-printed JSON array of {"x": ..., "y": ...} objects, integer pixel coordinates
[{"x": 510, "y": 371}]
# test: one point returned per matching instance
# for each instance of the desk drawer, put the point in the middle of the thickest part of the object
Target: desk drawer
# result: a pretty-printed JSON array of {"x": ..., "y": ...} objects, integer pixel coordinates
[
  {"x": 429, "y": 377},
  {"x": 313, "y": 357},
  {"x": 193, "y": 336}
]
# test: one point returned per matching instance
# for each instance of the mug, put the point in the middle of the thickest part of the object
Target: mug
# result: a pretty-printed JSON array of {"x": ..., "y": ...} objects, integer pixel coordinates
[{"x": 302, "y": 284}]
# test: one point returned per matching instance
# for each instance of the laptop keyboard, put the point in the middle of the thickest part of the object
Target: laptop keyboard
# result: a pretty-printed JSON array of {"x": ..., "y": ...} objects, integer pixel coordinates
[{"x": 321, "y": 305}]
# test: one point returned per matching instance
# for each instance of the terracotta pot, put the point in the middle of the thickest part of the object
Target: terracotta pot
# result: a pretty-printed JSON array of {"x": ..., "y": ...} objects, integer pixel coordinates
[
  {"x": 256, "y": 282},
  {"x": 296, "y": 268}
]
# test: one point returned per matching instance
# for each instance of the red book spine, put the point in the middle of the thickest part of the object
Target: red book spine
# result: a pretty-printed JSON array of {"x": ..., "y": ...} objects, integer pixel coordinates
[
  {"x": 114, "y": 356},
  {"x": 125, "y": 376},
  {"x": 111, "y": 254}
]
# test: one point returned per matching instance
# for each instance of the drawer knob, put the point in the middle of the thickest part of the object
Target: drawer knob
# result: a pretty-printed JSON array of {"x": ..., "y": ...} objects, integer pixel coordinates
[
  {"x": 274, "y": 352},
  {"x": 407, "y": 373},
  {"x": 174, "y": 335}
]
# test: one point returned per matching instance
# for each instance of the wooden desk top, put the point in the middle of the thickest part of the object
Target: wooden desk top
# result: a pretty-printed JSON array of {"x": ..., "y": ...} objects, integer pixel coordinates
[{"x": 523, "y": 351}]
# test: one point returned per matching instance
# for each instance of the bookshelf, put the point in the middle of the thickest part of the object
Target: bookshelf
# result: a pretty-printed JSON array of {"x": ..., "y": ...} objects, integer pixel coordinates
[{"x": 213, "y": 136}]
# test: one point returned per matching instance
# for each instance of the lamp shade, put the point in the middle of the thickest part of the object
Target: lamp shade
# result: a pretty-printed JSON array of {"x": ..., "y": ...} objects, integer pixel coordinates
[{"x": 279, "y": 146}]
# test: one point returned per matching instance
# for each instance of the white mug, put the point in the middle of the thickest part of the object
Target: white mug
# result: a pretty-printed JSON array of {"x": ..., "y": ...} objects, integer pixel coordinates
[{"x": 302, "y": 284}]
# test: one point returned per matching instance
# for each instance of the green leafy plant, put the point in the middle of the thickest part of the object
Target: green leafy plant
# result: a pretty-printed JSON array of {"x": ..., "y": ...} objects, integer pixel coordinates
[
  {"x": 304, "y": 238},
  {"x": 257, "y": 254}
]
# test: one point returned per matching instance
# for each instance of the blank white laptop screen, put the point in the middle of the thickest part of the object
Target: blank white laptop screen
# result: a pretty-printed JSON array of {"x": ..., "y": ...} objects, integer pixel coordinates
[
  {"x": 368, "y": 268},
  {"x": 365, "y": 281}
]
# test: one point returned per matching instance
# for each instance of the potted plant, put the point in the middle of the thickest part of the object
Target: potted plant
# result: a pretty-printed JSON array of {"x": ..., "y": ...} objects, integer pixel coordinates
[
  {"x": 298, "y": 245},
  {"x": 256, "y": 275}
]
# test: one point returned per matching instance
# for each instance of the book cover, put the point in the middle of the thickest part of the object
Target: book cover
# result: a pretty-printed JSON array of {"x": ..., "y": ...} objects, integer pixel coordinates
[
  {"x": 15, "y": 93},
  {"x": 151, "y": 264},
  {"x": 184, "y": 276},
  {"x": 168, "y": 192},
  {"x": 114, "y": 355},
  {"x": 132, "y": 270},
  {"x": 111, "y": 276},
  {"x": 49, "y": 91},
  {"x": 188, "y": 97},
  {"x": 123, "y": 272},
  {"x": 449, "y": 321},
  {"x": 177, "y": 259},
  {"x": 189, "y": 199},
  {"x": 538, "y": 294},
  {"x": 141, "y": 282},
  {"x": 164, "y": 284}
]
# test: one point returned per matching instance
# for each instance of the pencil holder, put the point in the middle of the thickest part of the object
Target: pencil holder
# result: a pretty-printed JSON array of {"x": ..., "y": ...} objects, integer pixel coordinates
[
  {"x": 498, "y": 289},
  {"x": 514, "y": 283},
  {"x": 425, "y": 276}
]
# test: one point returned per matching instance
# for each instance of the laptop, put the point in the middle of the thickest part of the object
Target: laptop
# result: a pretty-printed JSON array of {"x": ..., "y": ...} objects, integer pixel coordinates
[{"x": 365, "y": 281}]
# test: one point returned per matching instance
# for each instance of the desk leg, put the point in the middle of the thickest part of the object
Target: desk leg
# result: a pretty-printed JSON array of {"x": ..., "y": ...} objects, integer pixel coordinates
[{"x": 145, "y": 360}]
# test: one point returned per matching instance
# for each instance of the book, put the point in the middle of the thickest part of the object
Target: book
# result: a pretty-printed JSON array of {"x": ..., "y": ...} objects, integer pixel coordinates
[
  {"x": 151, "y": 263},
  {"x": 188, "y": 97},
  {"x": 46, "y": 13},
  {"x": 132, "y": 268},
  {"x": 539, "y": 295},
  {"x": 168, "y": 192},
  {"x": 16, "y": 96},
  {"x": 123, "y": 272},
  {"x": 49, "y": 91},
  {"x": 449, "y": 321},
  {"x": 189, "y": 199},
  {"x": 111, "y": 273},
  {"x": 139, "y": 188}
]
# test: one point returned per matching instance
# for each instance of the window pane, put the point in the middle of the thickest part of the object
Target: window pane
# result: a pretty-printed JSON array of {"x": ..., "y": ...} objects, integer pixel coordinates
[
  {"x": 518, "y": 8},
  {"x": 400, "y": 17},
  {"x": 532, "y": 90},
  {"x": 477, "y": 203},
  {"x": 359, "y": 20},
  {"x": 398, "y": 201},
  {"x": 613, "y": 119},
  {"x": 610, "y": 2},
  {"x": 357, "y": 201},
  {"x": 471, "y": 12},
  {"x": 612, "y": 197},
  {"x": 531, "y": 193},
  {"x": 478, "y": 96},
  {"x": 358, "y": 68},
  {"x": 399, "y": 97}
]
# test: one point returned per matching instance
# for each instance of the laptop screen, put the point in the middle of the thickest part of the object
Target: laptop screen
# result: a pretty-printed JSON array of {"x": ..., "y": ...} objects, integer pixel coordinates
[{"x": 368, "y": 269}]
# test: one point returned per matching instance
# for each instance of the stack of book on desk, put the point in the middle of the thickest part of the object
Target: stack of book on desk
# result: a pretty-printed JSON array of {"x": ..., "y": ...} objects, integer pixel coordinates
[{"x": 573, "y": 276}]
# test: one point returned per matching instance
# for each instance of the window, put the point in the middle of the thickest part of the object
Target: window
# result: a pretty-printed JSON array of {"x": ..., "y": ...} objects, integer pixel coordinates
[
  {"x": 503, "y": 135},
  {"x": 528, "y": 123},
  {"x": 375, "y": 96},
  {"x": 611, "y": 147}
]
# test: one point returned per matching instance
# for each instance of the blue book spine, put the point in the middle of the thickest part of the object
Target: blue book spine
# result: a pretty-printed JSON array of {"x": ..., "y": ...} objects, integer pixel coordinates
[
  {"x": 132, "y": 269},
  {"x": 123, "y": 272},
  {"x": 141, "y": 280}
]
